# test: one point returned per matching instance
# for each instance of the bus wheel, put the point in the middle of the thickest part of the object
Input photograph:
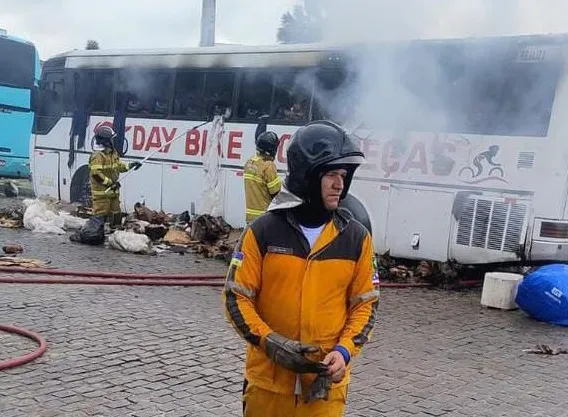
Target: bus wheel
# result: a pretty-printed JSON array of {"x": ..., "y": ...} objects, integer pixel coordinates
[{"x": 80, "y": 187}]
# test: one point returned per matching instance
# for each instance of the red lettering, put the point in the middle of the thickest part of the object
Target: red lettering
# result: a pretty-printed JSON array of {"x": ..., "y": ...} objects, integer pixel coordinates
[
  {"x": 235, "y": 142},
  {"x": 386, "y": 167},
  {"x": 281, "y": 155},
  {"x": 154, "y": 140},
  {"x": 417, "y": 150},
  {"x": 192, "y": 143},
  {"x": 169, "y": 137},
  {"x": 138, "y": 138}
]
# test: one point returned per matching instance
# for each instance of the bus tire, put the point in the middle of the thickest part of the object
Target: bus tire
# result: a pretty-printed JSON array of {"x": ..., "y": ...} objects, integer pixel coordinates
[{"x": 80, "y": 187}]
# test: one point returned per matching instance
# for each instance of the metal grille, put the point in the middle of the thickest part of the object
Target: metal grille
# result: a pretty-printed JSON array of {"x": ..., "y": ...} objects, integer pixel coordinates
[
  {"x": 525, "y": 160},
  {"x": 491, "y": 225}
]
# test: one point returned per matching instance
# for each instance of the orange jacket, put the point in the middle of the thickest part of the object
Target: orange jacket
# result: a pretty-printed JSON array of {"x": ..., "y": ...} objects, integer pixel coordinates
[
  {"x": 261, "y": 184},
  {"x": 323, "y": 296}
]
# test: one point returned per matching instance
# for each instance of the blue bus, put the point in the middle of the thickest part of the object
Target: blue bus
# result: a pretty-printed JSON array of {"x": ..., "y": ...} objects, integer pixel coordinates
[{"x": 19, "y": 77}]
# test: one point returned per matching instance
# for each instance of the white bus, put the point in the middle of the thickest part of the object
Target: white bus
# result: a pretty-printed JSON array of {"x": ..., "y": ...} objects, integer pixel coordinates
[{"x": 488, "y": 182}]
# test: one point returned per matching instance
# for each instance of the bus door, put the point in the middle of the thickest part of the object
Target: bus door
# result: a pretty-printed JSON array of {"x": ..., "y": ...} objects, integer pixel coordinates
[{"x": 46, "y": 173}]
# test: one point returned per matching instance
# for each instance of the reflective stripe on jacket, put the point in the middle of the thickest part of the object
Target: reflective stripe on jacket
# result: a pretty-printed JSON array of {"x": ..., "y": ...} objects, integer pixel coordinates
[
  {"x": 261, "y": 184},
  {"x": 323, "y": 295},
  {"x": 105, "y": 168}
]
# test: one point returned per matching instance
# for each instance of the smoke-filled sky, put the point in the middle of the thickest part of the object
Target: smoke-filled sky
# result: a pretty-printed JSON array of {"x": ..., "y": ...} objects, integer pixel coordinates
[{"x": 59, "y": 25}]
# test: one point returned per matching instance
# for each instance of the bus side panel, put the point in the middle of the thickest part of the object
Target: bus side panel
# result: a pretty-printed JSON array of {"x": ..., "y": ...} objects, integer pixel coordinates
[
  {"x": 375, "y": 198},
  {"x": 419, "y": 223},
  {"x": 182, "y": 188},
  {"x": 46, "y": 173},
  {"x": 144, "y": 186},
  {"x": 235, "y": 203}
]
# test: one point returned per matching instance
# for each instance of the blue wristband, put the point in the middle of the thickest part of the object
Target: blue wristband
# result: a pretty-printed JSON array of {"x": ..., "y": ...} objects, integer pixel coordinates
[{"x": 344, "y": 352}]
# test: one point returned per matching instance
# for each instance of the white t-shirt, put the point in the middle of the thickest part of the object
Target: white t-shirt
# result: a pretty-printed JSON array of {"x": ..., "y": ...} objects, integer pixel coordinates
[{"x": 312, "y": 233}]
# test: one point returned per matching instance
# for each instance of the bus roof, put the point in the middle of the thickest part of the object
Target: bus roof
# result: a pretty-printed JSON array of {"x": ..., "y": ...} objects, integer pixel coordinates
[{"x": 259, "y": 55}]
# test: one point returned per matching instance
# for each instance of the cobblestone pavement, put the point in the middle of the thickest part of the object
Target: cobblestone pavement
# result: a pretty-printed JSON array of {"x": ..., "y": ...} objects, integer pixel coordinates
[{"x": 168, "y": 351}]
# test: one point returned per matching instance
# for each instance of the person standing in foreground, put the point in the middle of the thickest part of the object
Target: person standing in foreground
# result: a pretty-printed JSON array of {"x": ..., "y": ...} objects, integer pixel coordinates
[
  {"x": 300, "y": 288},
  {"x": 262, "y": 182}
]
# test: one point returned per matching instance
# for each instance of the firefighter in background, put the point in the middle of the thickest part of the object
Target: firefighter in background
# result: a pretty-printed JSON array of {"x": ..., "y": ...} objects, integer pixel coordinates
[
  {"x": 262, "y": 182},
  {"x": 105, "y": 167}
]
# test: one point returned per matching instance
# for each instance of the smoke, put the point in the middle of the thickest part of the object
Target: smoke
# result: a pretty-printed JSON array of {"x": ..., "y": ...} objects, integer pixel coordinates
[{"x": 389, "y": 84}]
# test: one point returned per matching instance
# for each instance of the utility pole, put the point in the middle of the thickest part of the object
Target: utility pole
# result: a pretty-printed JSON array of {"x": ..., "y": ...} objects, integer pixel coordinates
[{"x": 207, "y": 23}]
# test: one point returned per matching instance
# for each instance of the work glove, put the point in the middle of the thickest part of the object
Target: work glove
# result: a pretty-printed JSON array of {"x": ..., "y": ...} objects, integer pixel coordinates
[
  {"x": 115, "y": 186},
  {"x": 290, "y": 355},
  {"x": 135, "y": 165},
  {"x": 319, "y": 389}
]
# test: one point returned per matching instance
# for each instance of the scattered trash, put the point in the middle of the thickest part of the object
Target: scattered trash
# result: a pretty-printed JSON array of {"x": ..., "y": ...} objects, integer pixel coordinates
[
  {"x": 543, "y": 294},
  {"x": 130, "y": 242},
  {"x": 11, "y": 190},
  {"x": 92, "y": 232},
  {"x": 12, "y": 249},
  {"x": 142, "y": 212},
  {"x": 222, "y": 249},
  {"x": 72, "y": 222},
  {"x": 156, "y": 231},
  {"x": 22, "y": 262},
  {"x": 39, "y": 218},
  {"x": 546, "y": 350},
  {"x": 178, "y": 237},
  {"x": 209, "y": 229},
  {"x": 11, "y": 218}
]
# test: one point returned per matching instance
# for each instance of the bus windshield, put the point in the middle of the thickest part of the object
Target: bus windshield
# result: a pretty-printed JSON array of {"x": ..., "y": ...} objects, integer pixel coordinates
[
  {"x": 19, "y": 71},
  {"x": 17, "y": 64}
]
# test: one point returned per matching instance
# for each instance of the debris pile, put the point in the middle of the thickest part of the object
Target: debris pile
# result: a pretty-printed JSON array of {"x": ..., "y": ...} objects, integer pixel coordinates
[
  {"x": 204, "y": 234},
  {"x": 414, "y": 271}
]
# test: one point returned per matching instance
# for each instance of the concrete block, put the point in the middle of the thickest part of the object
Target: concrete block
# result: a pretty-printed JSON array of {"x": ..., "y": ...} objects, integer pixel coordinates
[{"x": 500, "y": 289}]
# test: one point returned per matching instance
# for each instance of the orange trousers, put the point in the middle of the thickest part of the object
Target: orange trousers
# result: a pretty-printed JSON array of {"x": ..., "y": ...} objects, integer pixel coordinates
[{"x": 258, "y": 402}]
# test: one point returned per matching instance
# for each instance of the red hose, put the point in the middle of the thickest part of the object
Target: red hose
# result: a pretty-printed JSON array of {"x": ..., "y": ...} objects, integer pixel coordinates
[
  {"x": 12, "y": 363},
  {"x": 110, "y": 281},
  {"x": 122, "y": 278},
  {"x": 63, "y": 272}
]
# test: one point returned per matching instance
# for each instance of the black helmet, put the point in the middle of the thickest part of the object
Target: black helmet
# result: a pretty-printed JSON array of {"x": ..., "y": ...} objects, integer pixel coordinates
[
  {"x": 318, "y": 147},
  {"x": 104, "y": 136},
  {"x": 267, "y": 143},
  {"x": 357, "y": 210}
]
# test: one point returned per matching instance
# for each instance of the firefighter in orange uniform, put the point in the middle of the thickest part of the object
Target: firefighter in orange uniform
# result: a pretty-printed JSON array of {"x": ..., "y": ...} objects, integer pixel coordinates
[
  {"x": 302, "y": 285},
  {"x": 262, "y": 182},
  {"x": 105, "y": 168}
]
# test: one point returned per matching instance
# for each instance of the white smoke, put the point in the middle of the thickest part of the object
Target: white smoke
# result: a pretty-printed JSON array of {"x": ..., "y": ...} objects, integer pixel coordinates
[{"x": 406, "y": 88}]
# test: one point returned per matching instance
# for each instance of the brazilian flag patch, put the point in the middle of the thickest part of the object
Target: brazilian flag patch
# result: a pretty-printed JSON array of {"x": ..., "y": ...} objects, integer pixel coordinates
[
  {"x": 237, "y": 259},
  {"x": 375, "y": 279}
]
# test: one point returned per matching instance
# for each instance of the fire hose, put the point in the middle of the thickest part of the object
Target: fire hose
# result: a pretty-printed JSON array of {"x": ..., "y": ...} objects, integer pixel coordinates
[
  {"x": 12, "y": 363},
  {"x": 62, "y": 276}
]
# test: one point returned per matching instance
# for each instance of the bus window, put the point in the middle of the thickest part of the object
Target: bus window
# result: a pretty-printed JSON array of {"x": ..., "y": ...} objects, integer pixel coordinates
[
  {"x": 219, "y": 86},
  {"x": 50, "y": 103},
  {"x": 292, "y": 94},
  {"x": 102, "y": 93},
  {"x": 331, "y": 100},
  {"x": 514, "y": 100},
  {"x": 255, "y": 94},
  {"x": 149, "y": 92},
  {"x": 188, "y": 95}
]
